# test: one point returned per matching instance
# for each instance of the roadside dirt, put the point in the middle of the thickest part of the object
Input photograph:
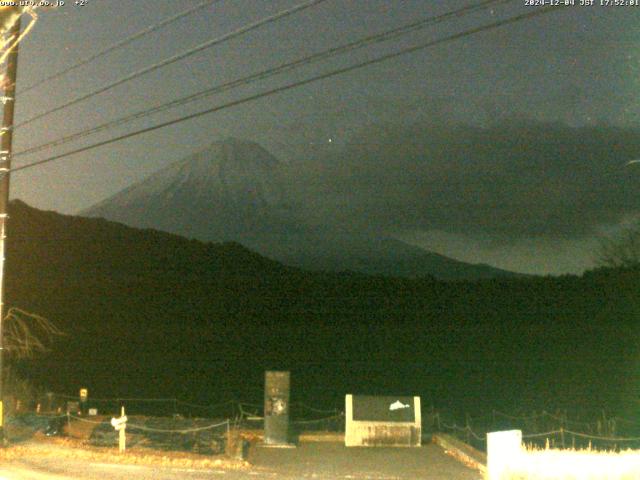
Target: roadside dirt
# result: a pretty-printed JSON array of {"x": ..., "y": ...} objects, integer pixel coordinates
[{"x": 73, "y": 449}]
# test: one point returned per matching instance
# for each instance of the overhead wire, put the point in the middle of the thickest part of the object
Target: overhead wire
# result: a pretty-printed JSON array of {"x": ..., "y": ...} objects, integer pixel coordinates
[
  {"x": 264, "y": 74},
  {"x": 122, "y": 43},
  {"x": 289, "y": 86},
  {"x": 176, "y": 58}
]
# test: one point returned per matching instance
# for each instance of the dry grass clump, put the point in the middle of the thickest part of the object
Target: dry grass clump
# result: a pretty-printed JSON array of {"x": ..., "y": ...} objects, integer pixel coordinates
[
  {"x": 572, "y": 464},
  {"x": 74, "y": 449}
]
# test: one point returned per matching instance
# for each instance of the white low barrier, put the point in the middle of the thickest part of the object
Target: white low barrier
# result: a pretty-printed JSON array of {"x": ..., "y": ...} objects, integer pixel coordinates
[{"x": 508, "y": 459}]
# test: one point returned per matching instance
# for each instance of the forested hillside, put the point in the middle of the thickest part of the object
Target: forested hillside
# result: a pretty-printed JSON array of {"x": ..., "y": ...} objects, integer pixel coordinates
[{"x": 152, "y": 314}]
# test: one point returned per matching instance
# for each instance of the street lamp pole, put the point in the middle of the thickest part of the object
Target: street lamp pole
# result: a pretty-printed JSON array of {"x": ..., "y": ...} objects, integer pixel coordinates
[{"x": 6, "y": 132}]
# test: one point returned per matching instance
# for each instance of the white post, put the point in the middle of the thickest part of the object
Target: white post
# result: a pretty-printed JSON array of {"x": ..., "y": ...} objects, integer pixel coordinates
[
  {"x": 122, "y": 441},
  {"x": 417, "y": 408},
  {"x": 349, "y": 434},
  {"x": 503, "y": 449}
]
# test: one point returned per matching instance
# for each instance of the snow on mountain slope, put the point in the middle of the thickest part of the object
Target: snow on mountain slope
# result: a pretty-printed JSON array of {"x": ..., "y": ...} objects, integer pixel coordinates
[
  {"x": 235, "y": 190},
  {"x": 231, "y": 187}
]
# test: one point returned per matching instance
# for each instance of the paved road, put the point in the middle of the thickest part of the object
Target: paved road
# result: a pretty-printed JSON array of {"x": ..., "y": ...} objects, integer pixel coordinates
[
  {"x": 335, "y": 461},
  {"x": 317, "y": 461}
]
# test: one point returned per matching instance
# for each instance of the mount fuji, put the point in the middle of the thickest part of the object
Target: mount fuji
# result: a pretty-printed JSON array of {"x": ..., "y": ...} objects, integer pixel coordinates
[
  {"x": 235, "y": 190},
  {"x": 222, "y": 193}
]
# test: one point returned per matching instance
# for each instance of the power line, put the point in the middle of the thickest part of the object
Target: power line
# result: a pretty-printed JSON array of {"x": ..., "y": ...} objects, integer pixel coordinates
[
  {"x": 333, "y": 73},
  {"x": 180, "y": 56},
  {"x": 120, "y": 44},
  {"x": 325, "y": 54}
]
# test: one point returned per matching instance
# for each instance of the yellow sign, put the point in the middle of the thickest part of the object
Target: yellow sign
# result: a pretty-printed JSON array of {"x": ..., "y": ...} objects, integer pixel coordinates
[{"x": 84, "y": 393}]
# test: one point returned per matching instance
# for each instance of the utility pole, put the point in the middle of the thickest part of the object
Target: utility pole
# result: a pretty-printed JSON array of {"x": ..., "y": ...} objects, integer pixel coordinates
[{"x": 6, "y": 132}]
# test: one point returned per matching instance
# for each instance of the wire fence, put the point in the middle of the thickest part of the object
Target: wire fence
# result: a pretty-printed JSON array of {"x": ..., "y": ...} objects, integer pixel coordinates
[
  {"x": 140, "y": 406},
  {"x": 545, "y": 429},
  {"x": 189, "y": 427},
  {"x": 303, "y": 417},
  {"x": 178, "y": 434},
  {"x": 163, "y": 422}
]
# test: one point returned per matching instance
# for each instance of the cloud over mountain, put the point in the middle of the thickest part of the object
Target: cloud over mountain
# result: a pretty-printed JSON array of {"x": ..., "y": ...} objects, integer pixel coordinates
[{"x": 515, "y": 180}]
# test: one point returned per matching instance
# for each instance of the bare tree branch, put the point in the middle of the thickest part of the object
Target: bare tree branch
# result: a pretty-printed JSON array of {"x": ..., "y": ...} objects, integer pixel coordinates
[
  {"x": 26, "y": 334},
  {"x": 621, "y": 250}
]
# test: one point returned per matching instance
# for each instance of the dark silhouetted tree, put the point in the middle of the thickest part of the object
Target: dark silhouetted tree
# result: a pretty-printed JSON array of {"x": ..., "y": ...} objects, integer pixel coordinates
[{"x": 25, "y": 335}]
